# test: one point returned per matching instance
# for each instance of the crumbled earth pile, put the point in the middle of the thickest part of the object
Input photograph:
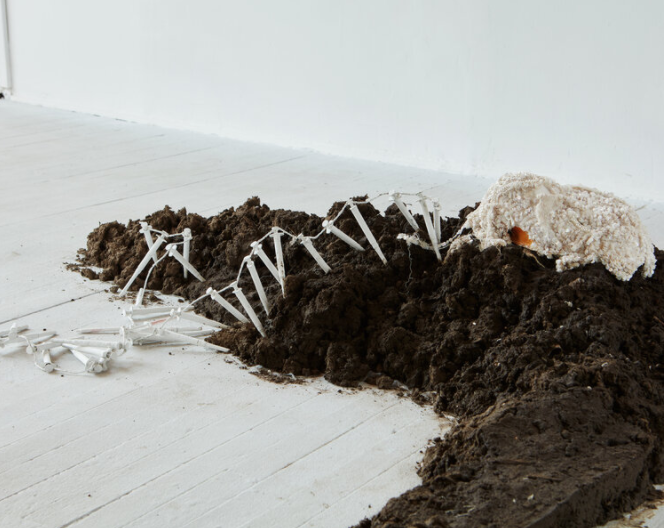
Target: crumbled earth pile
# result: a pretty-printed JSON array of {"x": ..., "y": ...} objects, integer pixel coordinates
[{"x": 556, "y": 377}]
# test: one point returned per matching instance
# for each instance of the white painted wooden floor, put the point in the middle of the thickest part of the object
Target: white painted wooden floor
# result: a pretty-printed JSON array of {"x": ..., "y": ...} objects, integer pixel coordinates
[{"x": 187, "y": 438}]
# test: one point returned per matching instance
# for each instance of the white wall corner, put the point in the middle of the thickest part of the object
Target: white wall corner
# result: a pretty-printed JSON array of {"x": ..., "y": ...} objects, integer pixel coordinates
[{"x": 5, "y": 61}]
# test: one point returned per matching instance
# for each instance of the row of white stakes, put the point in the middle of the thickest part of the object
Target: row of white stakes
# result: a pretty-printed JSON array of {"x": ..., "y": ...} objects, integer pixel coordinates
[
  {"x": 147, "y": 326},
  {"x": 278, "y": 271}
]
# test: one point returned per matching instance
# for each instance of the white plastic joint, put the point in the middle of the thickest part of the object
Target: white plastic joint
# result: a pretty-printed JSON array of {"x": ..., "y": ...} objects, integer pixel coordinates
[{"x": 396, "y": 198}]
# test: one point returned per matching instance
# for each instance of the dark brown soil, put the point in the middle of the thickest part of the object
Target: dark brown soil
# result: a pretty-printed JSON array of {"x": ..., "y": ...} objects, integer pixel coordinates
[{"x": 556, "y": 377}]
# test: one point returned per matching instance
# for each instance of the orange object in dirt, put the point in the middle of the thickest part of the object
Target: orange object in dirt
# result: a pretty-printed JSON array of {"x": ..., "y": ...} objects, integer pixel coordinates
[{"x": 520, "y": 237}]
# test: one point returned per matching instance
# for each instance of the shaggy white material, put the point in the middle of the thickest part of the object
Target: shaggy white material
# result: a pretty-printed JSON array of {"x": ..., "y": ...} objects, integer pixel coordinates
[{"x": 575, "y": 225}]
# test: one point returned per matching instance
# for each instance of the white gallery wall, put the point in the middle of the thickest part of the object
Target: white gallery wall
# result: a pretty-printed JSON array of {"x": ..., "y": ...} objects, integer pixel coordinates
[{"x": 570, "y": 89}]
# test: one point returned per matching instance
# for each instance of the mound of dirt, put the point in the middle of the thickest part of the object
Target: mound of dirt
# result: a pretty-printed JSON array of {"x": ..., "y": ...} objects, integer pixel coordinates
[{"x": 556, "y": 377}]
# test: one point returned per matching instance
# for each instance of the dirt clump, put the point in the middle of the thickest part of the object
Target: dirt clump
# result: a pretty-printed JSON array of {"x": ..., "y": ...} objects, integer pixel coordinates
[{"x": 556, "y": 377}]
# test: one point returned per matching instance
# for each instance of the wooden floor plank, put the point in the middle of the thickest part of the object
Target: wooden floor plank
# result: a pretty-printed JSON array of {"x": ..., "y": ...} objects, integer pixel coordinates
[
  {"x": 290, "y": 486},
  {"x": 119, "y": 471},
  {"x": 73, "y": 443},
  {"x": 206, "y": 488},
  {"x": 366, "y": 500}
]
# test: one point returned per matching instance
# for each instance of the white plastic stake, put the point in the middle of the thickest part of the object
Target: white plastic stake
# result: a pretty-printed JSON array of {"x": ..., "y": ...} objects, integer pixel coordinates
[
  {"x": 331, "y": 228},
  {"x": 306, "y": 242},
  {"x": 50, "y": 345},
  {"x": 226, "y": 305},
  {"x": 56, "y": 351},
  {"x": 149, "y": 317},
  {"x": 100, "y": 330},
  {"x": 198, "y": 319},
  {"x": 186, "y": 236},
  {"x": 396, "y": 198},
  {"x": 247, "y": 308},
  {"x": 94, "y": 343},
  {"x": 172, "y": 252},
  {"x": 430, "y": 228},
  {"x": 39, "y": 337},
  {"x": 133, "y": 310},
  {"x": 13, "y": 332},
  {"x": 436, "y": 220},
  {"x": 189, "y": 340},
  {"x": 279, "y": 255},
  {"x": 139, "y": 297},
  {"x": 258, "y": 250},
  {"x": 13, "y": 329},
  {"x": 148, "y": 256},
  {"x": 145, "y": 229},
  {"x": 47, "y": 362},
  {"x": 96, "y": 353},
  {"x": 258, "y": 284},
  {"x": 32, "y": 340},
  {"x": 90, "y": 364},
  {"x": 187, "y": 330},
  {"x": 367, "y": 232},
  {"x": 140, "y": 336},
  {"x": 196, "y": 332}
]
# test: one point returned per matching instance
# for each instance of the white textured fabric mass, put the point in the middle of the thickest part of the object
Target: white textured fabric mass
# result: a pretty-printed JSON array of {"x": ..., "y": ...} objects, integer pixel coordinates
[{"x": 575, "y": 225}]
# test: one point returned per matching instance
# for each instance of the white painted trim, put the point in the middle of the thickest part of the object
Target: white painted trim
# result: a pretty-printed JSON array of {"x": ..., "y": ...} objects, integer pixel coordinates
[{"x": 5, "y": 57}]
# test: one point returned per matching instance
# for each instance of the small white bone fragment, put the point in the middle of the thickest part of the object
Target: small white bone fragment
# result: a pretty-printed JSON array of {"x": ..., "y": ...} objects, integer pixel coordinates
[
  {"x": 306, "y": 242},
  {"x": 173, "y": 252},
  {"x": 367, "y": 232},
  {"x": 227, "y": 306},
  {"x": 186, "y": 236},
  {"x": 258, "y": 284},
  {"x": 396, "y": 198},
  {"x": 247, "y": 308},
  {"x": 331, "y": 228},
  {"x": 430, "y": 228},
  {"x": 279, "y": 255},
  {"x": 258, "y": 250},
  {"x": 152, "y": 252},
  {"x": 146, "y": 230}
]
